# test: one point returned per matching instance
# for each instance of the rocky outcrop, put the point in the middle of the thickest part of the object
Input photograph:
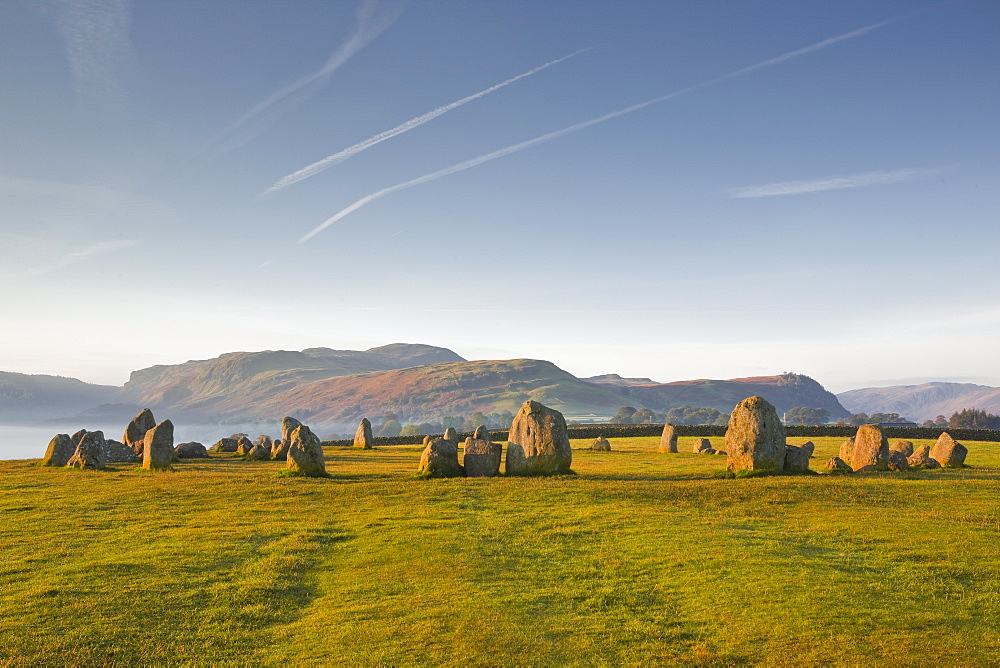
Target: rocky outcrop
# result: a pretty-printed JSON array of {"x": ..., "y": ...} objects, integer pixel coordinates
[
  {"x": 158, "y": 447},
  {"x": 668, "y": 439},
  {"x": 755, "y": 437},
  {"x": 89, "y": 453},
  {"x": 601, "y": 444},
  {"x": 948, "y": 452},
  {"x": 60, "y": 450},
  {"x": 305, "y": 454},
  {"x": 135, "y": 432},
  {"x": 191, "y": 450},
  {"x": 538, "y": 443},
  {"x": 871, "y": 449},
  {"x": 440, "y": 460},
  {"x": 363, "y": 436},
  {"x": 482, "y": 458}
]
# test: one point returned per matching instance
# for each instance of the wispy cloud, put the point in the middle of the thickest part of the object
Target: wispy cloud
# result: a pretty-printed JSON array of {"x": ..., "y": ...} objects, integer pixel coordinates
[
  {"x": 340, "y": 156},
  {"x": 373, "y": 18},
  {"x": 89, "y": 194},
  {"x": 831, "y": 183},
  {"x": 83, "y": 254},
  {"x": 95, "y": 35},
  {"x": 468, "y": 164}
]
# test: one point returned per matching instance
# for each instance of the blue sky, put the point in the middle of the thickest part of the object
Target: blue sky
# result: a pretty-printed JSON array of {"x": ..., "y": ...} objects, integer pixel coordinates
[{"x": 816, "y": 197}]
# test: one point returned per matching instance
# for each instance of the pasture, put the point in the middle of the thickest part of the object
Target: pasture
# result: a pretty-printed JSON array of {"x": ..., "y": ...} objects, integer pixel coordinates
[{"x": 641, "y": 558}]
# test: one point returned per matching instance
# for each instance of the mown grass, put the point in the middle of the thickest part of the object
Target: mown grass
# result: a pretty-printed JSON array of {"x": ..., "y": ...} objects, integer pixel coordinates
[{"x": 641, "y": 558}]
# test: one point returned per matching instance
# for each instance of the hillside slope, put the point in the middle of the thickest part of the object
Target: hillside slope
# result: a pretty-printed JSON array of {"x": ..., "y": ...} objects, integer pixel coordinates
[
  {"x": 922, "y": 402},
  {"x": 28, "y": 398}
]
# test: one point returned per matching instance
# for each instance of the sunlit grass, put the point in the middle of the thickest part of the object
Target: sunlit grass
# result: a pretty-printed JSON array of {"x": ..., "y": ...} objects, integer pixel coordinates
[{"x": 641, "y": 558}]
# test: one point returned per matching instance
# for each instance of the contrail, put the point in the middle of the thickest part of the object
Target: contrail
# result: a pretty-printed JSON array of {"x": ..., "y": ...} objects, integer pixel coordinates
[
  {"x": 584, "y": 124},
  {"x": 832, "y": 183},
  {"x": 340, "y": 156}
]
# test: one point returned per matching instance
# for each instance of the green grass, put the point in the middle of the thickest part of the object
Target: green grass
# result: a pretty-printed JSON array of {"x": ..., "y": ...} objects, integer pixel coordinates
[{"x": 639, "y": 559}]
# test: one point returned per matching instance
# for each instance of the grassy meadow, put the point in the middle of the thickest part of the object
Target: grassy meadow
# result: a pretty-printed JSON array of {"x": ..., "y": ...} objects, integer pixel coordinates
[{"x": 641, "y": 558}]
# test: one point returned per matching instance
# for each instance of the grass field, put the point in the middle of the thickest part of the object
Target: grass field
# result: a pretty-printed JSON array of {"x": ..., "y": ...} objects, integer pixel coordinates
[{"x": 640, "y": 559}]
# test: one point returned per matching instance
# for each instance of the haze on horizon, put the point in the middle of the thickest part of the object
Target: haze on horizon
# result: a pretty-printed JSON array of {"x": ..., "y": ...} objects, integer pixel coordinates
[{"x": 672, "y": 190}]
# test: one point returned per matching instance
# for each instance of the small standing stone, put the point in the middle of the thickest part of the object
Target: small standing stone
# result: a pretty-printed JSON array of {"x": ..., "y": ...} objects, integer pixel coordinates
[
  {"x": 482, "y": 458},
  {"x": 808, "y": 447},
  {"x": 288, "y": 425},
  {"x": 225, "y": 445},
  {"x": 897, "y": 461},
  {"x": 427, "y": 439},
  {"x": 921, "y": 458},
  {"x": 191, "y": 450},
  {"x": 265, "y": 442},
  {"x": 363, "y": 436},
  {"x": 846, "y": 450},
  {"x": 440, "y": 460},
  {"x": 796, "y": 459},
  {"x": 450, "y": 435},
  {"x": 948, "y": 452},
  {"x": 258, "y": 453},
  {"x": 115, "y": 451},
  {"x": 305, "y": 454},
  {"x": 278, "y": 448},
  {"x": 158, "y": 447},
  {"x": 668, "y": 439},
  {"x": 481, "y": 433},
  {"x": 701, "y": 446},
  {"x": 905, "y": 447},
  {"x": 60, "y": 450},
  {"x": 89, "y": 452},
  {"x": 602, "y": 444},
  {"x": 135, "y": 432},
  {"x": 755, "y": 437},
  {"x": 838, "y": 465},
  {"x": 243, "y": 445}
]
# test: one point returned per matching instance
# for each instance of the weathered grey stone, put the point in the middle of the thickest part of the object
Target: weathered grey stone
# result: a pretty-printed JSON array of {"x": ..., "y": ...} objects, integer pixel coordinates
[
  {"x": 60, "y": 450},
  {"x": 278, "y": 449},
  {"x": 305, "y": 454},
  {"x": 846, "y": 450},
  {"x": 809, "y": 447},
  {"x": 225, "y": 445},
  {"x": 755, "y": 437},
  {"x": 538, "y": 443},
  {"x": 257, "y": 453},
  {"x": 871, "y": 449},
  {"x": 948, "y": 452},
  {"x": 602, "y": 444},
  {"x": 450, "y": 435},
  {"x": 80, "y": 434},
  {"x": 191, "y": 450},
  {"x": 158, "y": 447},
  {"x": 265, "y": 442},
  {"x": 897, "y": 461},
  {"x": 701, "y": 446},
  {"x": 114, "y": 451},
  {"x": 921, "y": 458},
  {"x": 796, "y": 459},
  {"x": 288, "y": 425},
  {"x": 905, "y": 447},
  {"x": 89, "y": 453},
  {"x": 481, "y": 433},
  {"x": 668, "y": 439},
  {"x": 838, "y": 465},
  {"x": 482, "y": 458},
  {"x": 243, "y": 445},
  {"x": 440, "y": 460},
  {"x": 135, "y": 432},
  {"x": 363, "y": 436}
]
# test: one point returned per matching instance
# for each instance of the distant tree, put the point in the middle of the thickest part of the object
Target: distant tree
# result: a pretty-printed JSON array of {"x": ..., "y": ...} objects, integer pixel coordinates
[
  {"x": 390, "y": 428},
  {"x": 856, "y": 420},
  {"x": 624, "y": 415},
  {"x": 971, "y": 418},
  {"x": 807, "y": 416},
  {"x": 643, "y": 416},
  {"x": 940, "y": 421},
  {"x": 431, "y": 428},
  {"x": 411, "y": 430},
  {"x": 702, "y": 416},
  {"x": 474, "y": 421},
  {"x": 453, "y": 421}
]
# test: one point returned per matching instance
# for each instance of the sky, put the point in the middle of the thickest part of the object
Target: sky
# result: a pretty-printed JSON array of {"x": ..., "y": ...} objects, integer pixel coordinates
[{"x": 670, "y": 190}]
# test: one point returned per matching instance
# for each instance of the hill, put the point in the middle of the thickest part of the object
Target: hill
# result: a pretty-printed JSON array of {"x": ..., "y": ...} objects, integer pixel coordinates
[
  {"x": 28, "y": 398},
  {"x": 922, "y": 402},
  {"x": 785, "y": 392}
]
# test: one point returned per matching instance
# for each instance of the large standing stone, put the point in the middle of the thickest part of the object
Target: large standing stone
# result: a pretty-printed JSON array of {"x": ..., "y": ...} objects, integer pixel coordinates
[
  {"x": 871, "y": 449},
  {"x": 363, "y": 436},
  {"x": 905, "y": 447},
  {"x": 243, "y": 445},
  {"x": 158, "y": 447},
  {"x": 450, "y": 435},
  {"x": 538, "y": 443},
  {"x": 135, "y": 432},
  {"x": 796, "y": 459},
  {"x": 305, "y": 454},
  {"x": 668, "y": 439},
  {"x": 89, "y": 452},
  {"x": 114, "y": 451},
  {"x": 481, "y": 433},
  {"x": 191, "y": 450},
  {"x": 60, "y": 450},
  {"x": 225, "y": 445},
  {"x": 482, "y": 458},
  {"x": 601, "y": 444},
  {"x": 948, "y": 452},
  {"x": 755, "y": 437},
  {"x": 701, "y": 445},
  {"x": 921, "y": 458},
  {"x": 440, "y": 460}
]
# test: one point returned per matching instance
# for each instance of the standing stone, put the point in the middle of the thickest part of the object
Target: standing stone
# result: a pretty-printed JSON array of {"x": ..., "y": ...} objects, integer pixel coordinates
[
  {"x": 838, "y": 465},
  {"x": 265, "y": 442},
  {"x": 278, "y": 448},
  {"x": 796, "y": 459},
  {"x": 846, "y": 450},
  {"x": 288, "y": 425},
  {"x": 135, "y": 432},
  {"x": 808, "y": 447},
  {"x": 363, "y": 436},
  {"x": 755, "y": 437},
  {"x": 258, "y": 453},
  {"x": 225, "y": 445},
  {"x": 601, "y": 444},
  {"x": 921, "y": 458},
  {"x": 481, "y": 433},
  {"x": 668, "y": 439},
  {"x": 427, "y": 440},
  {"x": 440, "y": 460},
  {"x": 897, "y": 461},
  {"x": 191, "y": 450},
  {"x": 871, "y": 449},
  {"x": 89, "y": 452},
  {"x": 905, "y": 447},
  {"x": 701, "y": 445},
  {"x": 948, "y": 452},
  {"x": 482, "y": 458},
  {"x": 538, "y": 443},
  {"x": 305, "y": 454},
  {"x": 60, "y": 450},
  {"x": 115, "y": 451},
  {"x": 450, "y": 435},
  {"x": 243, "y": 445},
  {"x": 158, "y": 447}
]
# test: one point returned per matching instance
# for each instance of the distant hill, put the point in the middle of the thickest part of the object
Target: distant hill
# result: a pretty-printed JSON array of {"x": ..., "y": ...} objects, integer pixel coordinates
[
  {"x": 922, "y": 402},
  {"x": 785, "y": 391},
  {"x": 29, "y": 398}
]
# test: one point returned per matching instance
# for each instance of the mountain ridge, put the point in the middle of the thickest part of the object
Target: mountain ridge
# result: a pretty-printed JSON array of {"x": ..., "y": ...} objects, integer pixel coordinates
[{"x": 923, "y": 401}]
